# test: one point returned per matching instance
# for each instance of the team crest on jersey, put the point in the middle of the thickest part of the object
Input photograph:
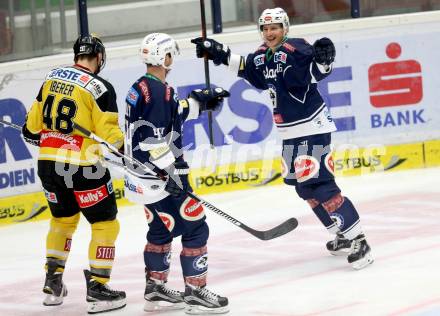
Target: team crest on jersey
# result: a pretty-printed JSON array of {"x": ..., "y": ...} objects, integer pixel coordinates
[
  {"x": 191, "y": 210},
  {"x": 329, "y": 163},
  {"x": 132, "y": 96},
  {"x": 259, "y": 60},
  {"x": 168, "y": 220},
  {"x": 306, "y": 167},
  {"x": 280, "y": 57},
  {"x": 148, "y": 214}
]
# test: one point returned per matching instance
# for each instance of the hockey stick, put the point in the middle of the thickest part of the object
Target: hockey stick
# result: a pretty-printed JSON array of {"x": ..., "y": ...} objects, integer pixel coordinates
[
  {"x": 206, "y": 64},
  {"x": 9, "y": 124},
  {"x": 275, "y": 232}
]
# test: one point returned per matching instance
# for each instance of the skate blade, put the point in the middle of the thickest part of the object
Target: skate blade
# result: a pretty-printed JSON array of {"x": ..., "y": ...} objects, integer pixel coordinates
[
  {"x": 158, "y": 306},
  {"x": 364, "y": 262},
  {"x": 201, "y": 310},
  {"x": 53, "y": 300},
  {"x": 105, "y": 306},
  {"x": 340, "y": 253}
]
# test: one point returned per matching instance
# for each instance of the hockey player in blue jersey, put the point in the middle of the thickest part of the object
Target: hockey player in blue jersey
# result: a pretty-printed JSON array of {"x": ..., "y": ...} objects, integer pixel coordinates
[
  {"x": 153, "y": 124},
  {"x": 289, "y": 68}
]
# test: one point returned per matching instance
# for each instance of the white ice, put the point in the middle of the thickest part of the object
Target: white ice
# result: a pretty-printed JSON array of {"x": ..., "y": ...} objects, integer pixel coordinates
[{"x": 287, "y": 276}]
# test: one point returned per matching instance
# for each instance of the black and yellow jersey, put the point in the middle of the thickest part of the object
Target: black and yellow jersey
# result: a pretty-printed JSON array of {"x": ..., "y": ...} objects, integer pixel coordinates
[{"x": 73, "y": 94}]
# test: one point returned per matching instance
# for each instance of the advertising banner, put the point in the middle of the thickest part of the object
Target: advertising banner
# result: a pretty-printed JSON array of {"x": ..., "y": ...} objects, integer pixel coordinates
[{"x": 383, "y": 90}]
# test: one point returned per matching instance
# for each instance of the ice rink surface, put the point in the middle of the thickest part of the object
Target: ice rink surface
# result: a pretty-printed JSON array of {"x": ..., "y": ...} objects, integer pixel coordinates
[{"x": 293, "y": 275}]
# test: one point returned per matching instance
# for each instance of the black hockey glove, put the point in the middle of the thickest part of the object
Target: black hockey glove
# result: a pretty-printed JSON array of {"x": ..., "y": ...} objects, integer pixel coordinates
[
  {"x": 177, "y": 178},
  {"x": 31, "y": 138},
  {"x": 215, "y": 51},
  {"x": 209, "y": 99},
  {"x": 324, "y": 51}
]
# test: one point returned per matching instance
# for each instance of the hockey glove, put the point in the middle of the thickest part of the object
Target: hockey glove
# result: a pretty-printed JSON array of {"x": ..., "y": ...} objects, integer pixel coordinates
[
  {"x": 31, "y": 138},
  {"x": 324, "y": 51},
  {"x": 209, "y": 99},
  {"x": 177, "y": 178},
  {"x": 215, "y": 51}
]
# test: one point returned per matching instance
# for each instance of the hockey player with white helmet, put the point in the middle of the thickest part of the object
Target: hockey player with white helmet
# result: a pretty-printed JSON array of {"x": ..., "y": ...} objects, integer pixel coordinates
[
  {"x": 153, "y": 123},
  {"x": 289, "y": 68}
]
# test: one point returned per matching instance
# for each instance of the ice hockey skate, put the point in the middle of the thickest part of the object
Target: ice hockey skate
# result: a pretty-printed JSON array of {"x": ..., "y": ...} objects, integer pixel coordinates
[
  {"x": 340, "y": 246},
  {"x": 201, "y": 301},
  {"x": 54, "y": 286},
  {"x": 158, "y": 297},
  {"x": 360, "y": 253},
  {"x": 101, "y": 298}
]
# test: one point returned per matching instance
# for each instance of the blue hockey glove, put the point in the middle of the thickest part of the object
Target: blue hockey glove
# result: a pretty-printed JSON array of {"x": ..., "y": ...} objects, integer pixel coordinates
[
  {"x": 178, "y": 183},
  {"x": 215, "y": 51},
  {"x": 324, "y": 51},
  {"x": 209, "y": 99},
  {"x": 31, "y": 138}
]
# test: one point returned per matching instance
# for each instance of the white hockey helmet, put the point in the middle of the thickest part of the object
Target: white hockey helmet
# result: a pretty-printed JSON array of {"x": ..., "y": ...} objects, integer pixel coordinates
[
  {"x": 274, "y": 16},
  {"x": 154, "y": 48}
]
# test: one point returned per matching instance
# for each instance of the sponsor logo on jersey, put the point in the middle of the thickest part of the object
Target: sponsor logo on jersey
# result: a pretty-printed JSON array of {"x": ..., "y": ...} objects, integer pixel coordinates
[
  {"x": 201, "y": 262},
  {"x": 96, "y": 87},
  {"x": 148, "y": 214},
  {"x": 168, "y": 94},
  {"x": 89, "y": 198},
  {"x": 70, "y": 75},
  {"x": 289, "y": 47},
  {"x": 259, "y": 60},
  {"x": 306, "y": 167},
  {"x": 85, "y": 78},
  {"x": 59, "y": 140},
  {"x": 67, "y": 244},
  {"x": 191, "y": 210},
  {"x": 145, "y": 91},
  {"x": 167, "y": 219},
  {"x": 110, "y": 187},
  {"x": 280, "y": 57},
  {"x": 272, "y": 73},
  {"x": 132, "y": 96},
  {"x": 50, "y": 196},
  {"x": 133, "y": 187},
  {"x": 105, "y": 252}
]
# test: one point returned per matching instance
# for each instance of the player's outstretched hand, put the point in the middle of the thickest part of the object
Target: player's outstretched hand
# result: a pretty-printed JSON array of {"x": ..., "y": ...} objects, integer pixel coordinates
[
  {"x": 177, "y": 183},
  {"x": 215, "y": 51},
  {"x": 209, "y": 99},
  {"x": 31, "y": 138},
  {"x": 324, "y": 51}
]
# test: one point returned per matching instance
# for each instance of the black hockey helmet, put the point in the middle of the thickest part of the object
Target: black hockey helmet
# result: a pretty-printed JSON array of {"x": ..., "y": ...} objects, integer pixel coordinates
[{"x": 89, "y": 45}]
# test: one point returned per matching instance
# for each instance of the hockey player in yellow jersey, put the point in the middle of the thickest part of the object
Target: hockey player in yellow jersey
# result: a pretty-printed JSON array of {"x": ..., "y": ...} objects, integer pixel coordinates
[{"x": 73, "y": 179}]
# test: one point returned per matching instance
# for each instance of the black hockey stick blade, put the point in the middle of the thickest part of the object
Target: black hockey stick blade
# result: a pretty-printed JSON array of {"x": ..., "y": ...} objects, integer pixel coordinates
[{"x": 275, "y": 232}]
